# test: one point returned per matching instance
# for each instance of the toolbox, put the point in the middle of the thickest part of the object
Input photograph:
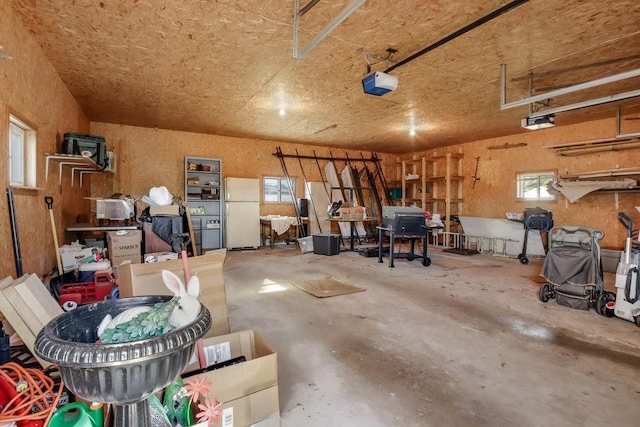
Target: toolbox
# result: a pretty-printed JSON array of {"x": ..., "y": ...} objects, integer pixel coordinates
[{"x": 86, "y": 145}]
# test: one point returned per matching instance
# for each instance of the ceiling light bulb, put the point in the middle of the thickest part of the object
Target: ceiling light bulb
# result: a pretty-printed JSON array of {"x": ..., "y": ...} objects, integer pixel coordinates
[
  {"x": 282, "y": 112},
  {"x": 540, "y": 122},
  {"x": 412, "y": 132}
]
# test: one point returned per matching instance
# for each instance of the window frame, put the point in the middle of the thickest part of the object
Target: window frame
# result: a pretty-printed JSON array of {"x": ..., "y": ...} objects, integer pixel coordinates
[
  {"x": 28, "y": 147},
  {"x": 532, "y": 175},
  {"x": 281, "y": 185}
]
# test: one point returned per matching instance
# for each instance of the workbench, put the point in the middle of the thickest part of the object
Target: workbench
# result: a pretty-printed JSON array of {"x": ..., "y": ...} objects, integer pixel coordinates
[
  {"x": 87, "y": 227},
  {"x": 82, "y": 228}
]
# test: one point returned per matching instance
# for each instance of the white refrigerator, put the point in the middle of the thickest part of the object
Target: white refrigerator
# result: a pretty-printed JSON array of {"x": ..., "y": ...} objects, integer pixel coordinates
[{"x": 242, "y": 213}]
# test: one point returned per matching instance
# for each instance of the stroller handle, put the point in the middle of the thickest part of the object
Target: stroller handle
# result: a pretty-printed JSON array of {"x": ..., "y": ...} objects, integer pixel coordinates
[{"x": 627, "y": 222}]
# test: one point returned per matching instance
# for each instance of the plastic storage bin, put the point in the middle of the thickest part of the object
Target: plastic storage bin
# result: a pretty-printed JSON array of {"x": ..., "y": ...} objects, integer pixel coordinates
[
  {"x": 326, "y": 244},
  {"x": 306, "y": 244}
]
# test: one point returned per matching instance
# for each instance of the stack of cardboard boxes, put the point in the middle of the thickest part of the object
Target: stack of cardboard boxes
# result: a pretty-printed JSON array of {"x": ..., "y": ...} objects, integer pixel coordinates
[
  {"x": 247, "y": 389},
  {"x": 355, "y": 213}
]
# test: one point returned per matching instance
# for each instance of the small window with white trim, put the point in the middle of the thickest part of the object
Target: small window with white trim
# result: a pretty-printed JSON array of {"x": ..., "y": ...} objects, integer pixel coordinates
[
  {"x": 277, "y": 190},
  {"x": 534, "y": 185},
  {"x": 22, "y": 153}
]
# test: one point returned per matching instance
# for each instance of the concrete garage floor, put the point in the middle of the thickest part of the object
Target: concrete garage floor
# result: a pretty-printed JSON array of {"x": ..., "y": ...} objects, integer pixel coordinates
[{"x": 463, "y": 342}]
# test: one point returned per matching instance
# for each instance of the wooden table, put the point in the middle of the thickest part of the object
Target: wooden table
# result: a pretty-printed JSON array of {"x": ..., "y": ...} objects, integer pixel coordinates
[{"x": 267, "y": 232}]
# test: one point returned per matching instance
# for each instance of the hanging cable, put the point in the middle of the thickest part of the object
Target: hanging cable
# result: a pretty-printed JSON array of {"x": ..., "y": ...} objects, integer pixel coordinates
[{"x": 33, "y": 394}]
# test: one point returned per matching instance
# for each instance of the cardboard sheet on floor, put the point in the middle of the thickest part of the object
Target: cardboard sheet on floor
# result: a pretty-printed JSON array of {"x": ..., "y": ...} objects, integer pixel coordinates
[
  {"x": 456, "y": 262},
  {"x": 327, "y": 287}
]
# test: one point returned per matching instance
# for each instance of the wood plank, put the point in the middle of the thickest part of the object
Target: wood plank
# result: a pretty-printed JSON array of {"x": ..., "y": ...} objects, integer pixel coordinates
[
  {"x": 14, "y": 318},
  {"x": 35, "y": 294},
  {"x": 7, "y": 281},
  {"x": 18, "y": 313},
  {"x": 23, "y": 309}
]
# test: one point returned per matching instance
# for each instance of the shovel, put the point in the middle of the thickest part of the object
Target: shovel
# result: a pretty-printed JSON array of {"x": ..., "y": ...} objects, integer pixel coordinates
[
  {"x": 49, "y": 201},
  {"x": 62, "y": 278}
]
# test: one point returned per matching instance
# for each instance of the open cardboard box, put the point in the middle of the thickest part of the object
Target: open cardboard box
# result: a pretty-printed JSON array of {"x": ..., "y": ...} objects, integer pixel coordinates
[
  {"x": 146, "y": 279},
  {"x": 249, "y": 389}
]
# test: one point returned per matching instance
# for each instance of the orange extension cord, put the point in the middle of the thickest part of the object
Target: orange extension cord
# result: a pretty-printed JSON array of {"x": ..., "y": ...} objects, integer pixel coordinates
[{"x": 33, "y": 398}]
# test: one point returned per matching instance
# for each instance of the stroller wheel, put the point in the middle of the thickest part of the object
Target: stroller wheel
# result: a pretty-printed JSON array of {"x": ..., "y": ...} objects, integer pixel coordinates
[
  {"x": 637, "y": 320},
  {"x": 524, "y": 260},
  {"x": 601, "y": 304},
  {"x": 545, "y": 292}
]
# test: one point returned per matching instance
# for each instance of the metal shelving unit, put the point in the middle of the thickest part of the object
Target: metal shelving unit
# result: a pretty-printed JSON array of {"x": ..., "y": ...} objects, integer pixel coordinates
[{"x": 203, "y": 193}]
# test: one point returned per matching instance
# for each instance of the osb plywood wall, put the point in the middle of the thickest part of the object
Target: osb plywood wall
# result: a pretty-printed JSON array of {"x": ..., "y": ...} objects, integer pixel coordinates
[
  {"x": 152, "y": 157},
  {"x": 495, "y": 193},
  {"x": 30, "y": 88},
  {"x": 148, "y": 157}
]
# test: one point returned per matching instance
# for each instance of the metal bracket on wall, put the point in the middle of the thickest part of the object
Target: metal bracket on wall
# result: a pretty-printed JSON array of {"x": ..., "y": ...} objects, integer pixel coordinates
[{"x": 78, "y": 163}]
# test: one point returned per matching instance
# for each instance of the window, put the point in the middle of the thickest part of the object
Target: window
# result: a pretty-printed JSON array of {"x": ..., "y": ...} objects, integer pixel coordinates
[
  {"x": 276, "y": 190},
  {"x": 22, "y": 153},
  {"x": 534, "y": 185}
]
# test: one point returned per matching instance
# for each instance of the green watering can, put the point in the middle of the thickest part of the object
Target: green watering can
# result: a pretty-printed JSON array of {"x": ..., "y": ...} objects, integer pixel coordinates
[{"x": 77, "y": 414}]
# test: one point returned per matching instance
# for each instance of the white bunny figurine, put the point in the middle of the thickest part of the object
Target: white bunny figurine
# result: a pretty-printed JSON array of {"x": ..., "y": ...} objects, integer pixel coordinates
[{"x": 143, "y": 322}]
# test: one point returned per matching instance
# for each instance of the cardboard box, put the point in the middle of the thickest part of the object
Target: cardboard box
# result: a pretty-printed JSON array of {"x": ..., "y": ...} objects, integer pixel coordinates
[
  {"x": 71, "y": 256},
  {"x": 242, "y": 412},
  {"x": 124, "y": 247},
  {"x": 160, "y": 256},
  {"x": 248, "y": 390},
  {"x": 168, "y": 210},
  {"x": 353, "y": 213},
  {"x": 146, "y": 279},
  {"x": 260, "y": 409}
]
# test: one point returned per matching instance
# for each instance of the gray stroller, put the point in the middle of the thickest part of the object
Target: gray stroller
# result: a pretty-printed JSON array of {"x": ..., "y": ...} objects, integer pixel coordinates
[{"x": 573, "y": 267}]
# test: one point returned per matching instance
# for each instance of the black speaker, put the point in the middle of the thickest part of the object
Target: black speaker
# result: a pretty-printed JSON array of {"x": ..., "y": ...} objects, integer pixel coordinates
[{"x": 303, "y": 207}]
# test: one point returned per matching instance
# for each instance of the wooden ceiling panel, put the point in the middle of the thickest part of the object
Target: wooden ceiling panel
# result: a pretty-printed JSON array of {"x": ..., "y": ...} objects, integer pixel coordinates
[{"x": 226, "y": 67}]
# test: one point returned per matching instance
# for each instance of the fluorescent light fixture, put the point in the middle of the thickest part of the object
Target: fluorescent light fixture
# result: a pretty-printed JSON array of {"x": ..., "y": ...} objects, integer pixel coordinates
[{"x": 540, "y": 122}]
